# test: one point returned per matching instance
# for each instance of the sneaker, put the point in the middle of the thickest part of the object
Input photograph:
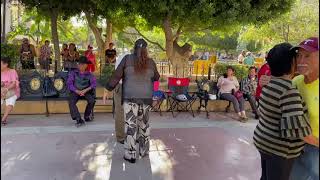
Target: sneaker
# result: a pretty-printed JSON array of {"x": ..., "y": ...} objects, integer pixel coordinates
[{"x": 129, "y": 160}]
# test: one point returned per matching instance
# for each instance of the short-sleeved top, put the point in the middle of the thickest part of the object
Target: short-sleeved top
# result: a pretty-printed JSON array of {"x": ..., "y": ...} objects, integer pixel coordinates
[
  {"x": 249, "y": 60},
  {"x": 111, "y": 53},
  {"x": 9, "y": 76},
  {"x": 45, "y": 52},
  {"x": 310, "y": 94},
  {"x": 264, "y": 70},
  {"x": 226, "y": 85},
  {"x": 283, "y": 120}
]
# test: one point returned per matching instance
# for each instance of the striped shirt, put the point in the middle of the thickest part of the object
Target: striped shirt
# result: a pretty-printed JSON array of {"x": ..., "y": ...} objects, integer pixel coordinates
[{"x": 283, "y": 120}]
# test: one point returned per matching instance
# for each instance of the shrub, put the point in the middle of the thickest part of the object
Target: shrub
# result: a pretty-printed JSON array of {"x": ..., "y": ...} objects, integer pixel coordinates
[
  {"x": 241, "y": 71},
  {"x": 12, "y": 51},
  {"x": 106, "y": 73}
]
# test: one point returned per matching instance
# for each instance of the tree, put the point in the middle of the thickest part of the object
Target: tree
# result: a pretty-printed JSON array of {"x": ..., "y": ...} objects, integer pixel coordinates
[
  {"x": 298, "y": 24},
  {"x": 178, "y": 17},
  {"x": 53, "y": 9}
]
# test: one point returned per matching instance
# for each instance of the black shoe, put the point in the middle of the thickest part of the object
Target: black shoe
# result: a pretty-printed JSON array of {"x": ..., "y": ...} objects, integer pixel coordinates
[
  {"x": 121, "y": 142},
  {"x": 87, "y": 119},
  {"x": 129, "y": 160},
  {"x": 256, "y": 116},
  {"x": 80, "y": 122}
]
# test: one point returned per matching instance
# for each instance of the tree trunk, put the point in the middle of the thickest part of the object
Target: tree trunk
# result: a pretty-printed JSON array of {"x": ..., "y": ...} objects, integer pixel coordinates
[
  {"x": 177, "y": 55},
  {"x": 3, "y": 38},
  {"x": 109, "y": 33},
  {"x": 98, "y": 36},
  {"x": 55, "y": 38}
]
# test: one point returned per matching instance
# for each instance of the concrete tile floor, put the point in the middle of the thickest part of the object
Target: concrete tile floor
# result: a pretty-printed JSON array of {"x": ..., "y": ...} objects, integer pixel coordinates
[{"x": 182, "y": 148}]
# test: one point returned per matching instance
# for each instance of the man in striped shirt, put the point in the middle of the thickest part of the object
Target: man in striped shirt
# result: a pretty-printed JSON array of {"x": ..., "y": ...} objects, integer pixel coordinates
[{"x": 283, "y": 126}]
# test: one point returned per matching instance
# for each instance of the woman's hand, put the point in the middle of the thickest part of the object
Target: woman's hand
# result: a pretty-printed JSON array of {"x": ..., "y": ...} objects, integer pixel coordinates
[{"x": 312, "y": 140}]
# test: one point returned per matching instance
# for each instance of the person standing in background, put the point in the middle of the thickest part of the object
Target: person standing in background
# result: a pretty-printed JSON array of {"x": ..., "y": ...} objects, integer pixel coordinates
[
  {"x": 27, "y": 54},
  {"x": 249, "y": 59},
  {"x": 92, "y": 58},
  {"x": 45, "y": 56},
  {"x": 110, "y": 54},
  {"x": 240, "y": 57}
]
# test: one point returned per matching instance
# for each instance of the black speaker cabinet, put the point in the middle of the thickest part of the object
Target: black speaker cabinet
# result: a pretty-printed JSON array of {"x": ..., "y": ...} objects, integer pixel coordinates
[{"x": 31, "y": 85}]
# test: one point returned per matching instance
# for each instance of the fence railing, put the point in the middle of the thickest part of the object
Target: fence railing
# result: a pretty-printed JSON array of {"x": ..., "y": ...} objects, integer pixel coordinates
[{"x": 191, "y": 70}]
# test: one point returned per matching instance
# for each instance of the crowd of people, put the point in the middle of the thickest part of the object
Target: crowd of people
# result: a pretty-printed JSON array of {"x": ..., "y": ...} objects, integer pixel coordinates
[
  {"x": 286, "y": 136},
  {"x": 69, "y": 55}
]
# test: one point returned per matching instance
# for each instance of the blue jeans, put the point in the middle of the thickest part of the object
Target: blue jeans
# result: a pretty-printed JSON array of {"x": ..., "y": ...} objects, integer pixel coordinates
[{"x": 306, "y": 167}]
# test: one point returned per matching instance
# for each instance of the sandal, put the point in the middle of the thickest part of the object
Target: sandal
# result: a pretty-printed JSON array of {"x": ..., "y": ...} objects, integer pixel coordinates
[{"x": 4, "y": 122}]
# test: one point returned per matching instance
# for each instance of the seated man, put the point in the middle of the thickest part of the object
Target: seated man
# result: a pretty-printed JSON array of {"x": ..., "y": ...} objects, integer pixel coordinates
[
  {"x": 81, "y": 83},
  {"x": 249, "y": 86}
]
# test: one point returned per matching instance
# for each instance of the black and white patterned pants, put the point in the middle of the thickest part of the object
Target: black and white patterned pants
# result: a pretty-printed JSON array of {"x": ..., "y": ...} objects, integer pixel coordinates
[{"x": 137, "y": 129}]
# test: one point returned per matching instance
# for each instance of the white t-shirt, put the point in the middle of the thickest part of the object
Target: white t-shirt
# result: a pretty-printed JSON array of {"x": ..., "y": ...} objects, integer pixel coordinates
[{"x": 240, "y": 58}]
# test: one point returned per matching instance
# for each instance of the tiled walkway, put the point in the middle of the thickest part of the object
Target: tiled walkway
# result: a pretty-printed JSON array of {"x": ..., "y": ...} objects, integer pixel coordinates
[{"x": 184, "y": 148}]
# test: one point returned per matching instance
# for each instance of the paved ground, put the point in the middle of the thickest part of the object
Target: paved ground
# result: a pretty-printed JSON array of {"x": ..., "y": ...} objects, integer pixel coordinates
[{"x": 184, "y": 148}]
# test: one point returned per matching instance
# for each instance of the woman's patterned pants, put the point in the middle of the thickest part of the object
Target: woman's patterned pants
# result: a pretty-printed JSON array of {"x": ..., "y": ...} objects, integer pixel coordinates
[{"x": 137, "y": 129}]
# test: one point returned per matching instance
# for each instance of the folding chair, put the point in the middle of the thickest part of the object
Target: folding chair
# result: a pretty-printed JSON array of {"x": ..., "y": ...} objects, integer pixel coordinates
[
  {"x": 178, "y": 95},
  {"x": 158, "y": 97}
]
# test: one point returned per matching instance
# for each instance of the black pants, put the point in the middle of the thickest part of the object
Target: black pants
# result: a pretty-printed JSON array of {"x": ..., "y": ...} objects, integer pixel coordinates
[
  {"x": 28, "y": 64},
  {"x": 74, "y": 98},
  {"x": 275, "y": 167}
]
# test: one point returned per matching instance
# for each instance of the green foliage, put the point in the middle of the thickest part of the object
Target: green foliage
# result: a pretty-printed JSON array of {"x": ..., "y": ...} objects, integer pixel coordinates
[
  {"x": 194, "y": 15},
  {"x": 216, "y": 40},
  {"x": 300, "y": 23},
  {"x": 241, "y": 71},
  {"x": 106, "y": 74},
  {"x": 12, "y": 51},
  {"x": 254, "y": 46}
]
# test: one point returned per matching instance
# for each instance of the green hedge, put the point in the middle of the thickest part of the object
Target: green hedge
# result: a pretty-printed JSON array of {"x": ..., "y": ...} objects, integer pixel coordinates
[
  {"x": 241, "y": 71},
  {"x": 12, "y": 51},
  {"x": 106, "y": 73}
]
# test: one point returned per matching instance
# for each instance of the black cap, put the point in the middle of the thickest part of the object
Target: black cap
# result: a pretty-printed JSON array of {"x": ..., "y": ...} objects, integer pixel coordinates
[
  {"x": 280, "y": 59},
  {"x": 83, "y": 60},
  {"x": 140, "y": 43},
  {"x": 280, "y": 52}
]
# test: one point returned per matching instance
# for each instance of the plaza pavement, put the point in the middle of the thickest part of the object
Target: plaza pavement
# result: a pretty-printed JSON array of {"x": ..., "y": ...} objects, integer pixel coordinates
[{"x": 34, "y": 147}]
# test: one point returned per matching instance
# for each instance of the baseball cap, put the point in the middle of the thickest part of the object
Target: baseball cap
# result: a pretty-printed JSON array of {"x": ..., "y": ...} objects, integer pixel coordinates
[{"x": 311, "y": 45}]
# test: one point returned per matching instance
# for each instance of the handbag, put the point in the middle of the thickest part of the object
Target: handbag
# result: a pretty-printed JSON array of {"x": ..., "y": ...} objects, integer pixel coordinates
[{"x": 238, "y": 94}]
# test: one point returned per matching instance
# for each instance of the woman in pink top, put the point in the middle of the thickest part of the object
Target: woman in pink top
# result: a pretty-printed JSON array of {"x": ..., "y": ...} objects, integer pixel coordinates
[
  {"x": 227, "y": 85},
  {"x": 10, "y": 90}
]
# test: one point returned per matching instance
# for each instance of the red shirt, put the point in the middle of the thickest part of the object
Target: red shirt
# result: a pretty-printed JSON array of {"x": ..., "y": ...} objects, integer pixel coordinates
[
  {"x": 92, "y": 58},
  {"x": 264, "y": 70}
]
